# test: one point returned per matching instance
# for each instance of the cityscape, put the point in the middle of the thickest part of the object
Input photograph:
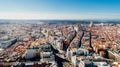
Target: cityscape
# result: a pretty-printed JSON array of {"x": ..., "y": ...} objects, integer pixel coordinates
[
  {"x": 59, "y": 44},
  {"x": 59, "y": 33}
]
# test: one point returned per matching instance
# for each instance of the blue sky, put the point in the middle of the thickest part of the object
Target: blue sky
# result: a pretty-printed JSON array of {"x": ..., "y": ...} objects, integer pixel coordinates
[{"x": 59, "y": 9}]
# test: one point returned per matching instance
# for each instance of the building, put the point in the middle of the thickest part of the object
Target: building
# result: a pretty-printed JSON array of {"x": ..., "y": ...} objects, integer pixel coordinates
[
  {"x": 31, "y": 53},
  {"x": 46, "y": 57},
  {"x": 113, "y": 55},
  {"x": 5, "y": 43}
]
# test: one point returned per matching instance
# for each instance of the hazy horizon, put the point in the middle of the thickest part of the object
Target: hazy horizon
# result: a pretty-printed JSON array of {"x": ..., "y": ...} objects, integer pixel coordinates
[{"x": 60, "y": 9}]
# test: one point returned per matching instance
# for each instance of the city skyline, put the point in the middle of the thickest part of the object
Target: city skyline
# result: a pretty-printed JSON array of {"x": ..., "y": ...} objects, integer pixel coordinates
[{"x": 60, "y": 9}]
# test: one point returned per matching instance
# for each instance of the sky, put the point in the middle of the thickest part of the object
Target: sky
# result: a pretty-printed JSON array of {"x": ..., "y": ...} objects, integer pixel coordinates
[{"x": 60, "y": 9}]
